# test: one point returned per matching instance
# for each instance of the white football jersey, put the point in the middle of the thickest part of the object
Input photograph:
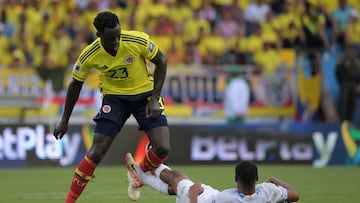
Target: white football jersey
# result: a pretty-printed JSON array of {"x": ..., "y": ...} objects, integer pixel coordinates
[
  {"x": 264, "y": 193},
  {"x": 183, "y": 192}
]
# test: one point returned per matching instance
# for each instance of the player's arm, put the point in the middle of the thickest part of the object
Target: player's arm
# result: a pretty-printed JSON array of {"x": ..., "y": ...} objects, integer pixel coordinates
[
  {"x": 194, "y": 191},
  {"x": 160, "y": 62},
  {"x": 292, "y": 195},
  {"x": 72, "y": 96}
]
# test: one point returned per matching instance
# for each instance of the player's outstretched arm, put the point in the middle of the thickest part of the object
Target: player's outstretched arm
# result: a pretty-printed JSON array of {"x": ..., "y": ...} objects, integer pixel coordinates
[
  {"x": 194, "y": 191},
  {"x": 72, "y": 96},
  {"x": 293, "y": 195}
]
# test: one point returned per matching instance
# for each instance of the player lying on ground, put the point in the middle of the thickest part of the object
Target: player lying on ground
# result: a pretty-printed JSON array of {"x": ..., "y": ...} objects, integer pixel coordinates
[{"x": 173, "y": 182}]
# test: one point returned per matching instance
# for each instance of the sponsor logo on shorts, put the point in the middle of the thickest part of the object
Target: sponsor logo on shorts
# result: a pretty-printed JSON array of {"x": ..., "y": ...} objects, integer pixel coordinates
[{"x": 106, "y": 108}]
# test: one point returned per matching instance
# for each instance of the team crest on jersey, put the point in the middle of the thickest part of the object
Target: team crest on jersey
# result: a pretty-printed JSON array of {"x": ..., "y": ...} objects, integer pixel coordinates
[
  {"x": 151, "y": 47},
  {"x": 106, "y": 108},
  {"x": 129, "y": 59}
]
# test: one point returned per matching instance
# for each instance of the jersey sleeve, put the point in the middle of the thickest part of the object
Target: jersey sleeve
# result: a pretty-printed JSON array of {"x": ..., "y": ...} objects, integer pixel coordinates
[
  {"x": 151, "y": 49},
  {"x": 273, "y": 193},
  {"x": 80, "y": 71},
  {"x": 85, "y": 60}
]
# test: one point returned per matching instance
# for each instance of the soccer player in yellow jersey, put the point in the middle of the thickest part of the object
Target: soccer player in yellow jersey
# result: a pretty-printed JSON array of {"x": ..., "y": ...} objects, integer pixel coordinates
[{"x": 128, "y": 87}]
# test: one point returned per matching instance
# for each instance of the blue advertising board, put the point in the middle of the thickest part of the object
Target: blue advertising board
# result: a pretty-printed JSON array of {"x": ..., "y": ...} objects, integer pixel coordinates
[{"x": 317, "y": 144}]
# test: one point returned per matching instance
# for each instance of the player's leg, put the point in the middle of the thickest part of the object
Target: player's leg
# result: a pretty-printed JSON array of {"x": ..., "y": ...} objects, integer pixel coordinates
[
  {"x": 159, "y": 139},
  {"x": 85, "y": 169},
  {"x": 171, "y": 177},
  {"x": 158, "y": 132},
  {"x": 108, "y": 125},
  {"x": 163, "y": 180},
  {"x": 160, "y": 146}
]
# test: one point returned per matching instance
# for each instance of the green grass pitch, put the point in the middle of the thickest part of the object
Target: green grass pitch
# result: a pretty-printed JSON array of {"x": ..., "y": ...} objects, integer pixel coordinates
[{"x": 40, "y": 185}]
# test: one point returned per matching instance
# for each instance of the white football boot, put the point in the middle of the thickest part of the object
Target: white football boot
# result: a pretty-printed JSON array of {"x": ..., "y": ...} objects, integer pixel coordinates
[{"x": 133, "y": 174}]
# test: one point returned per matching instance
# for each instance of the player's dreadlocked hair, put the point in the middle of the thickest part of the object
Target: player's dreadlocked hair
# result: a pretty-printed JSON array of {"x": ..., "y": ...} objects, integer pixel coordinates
[
  {"x": 246, "y": 172},
  {"x": 105, "y": 19}
]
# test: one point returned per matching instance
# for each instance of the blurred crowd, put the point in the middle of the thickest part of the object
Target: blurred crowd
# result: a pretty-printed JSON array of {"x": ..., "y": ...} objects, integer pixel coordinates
[
  {"x": 49, "y": 34},
  {"x": 198, "y": 31}
]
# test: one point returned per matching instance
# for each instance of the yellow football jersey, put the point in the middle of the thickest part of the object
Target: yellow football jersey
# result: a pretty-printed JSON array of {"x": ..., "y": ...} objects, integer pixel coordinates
[{"x": 123, "y": 74}]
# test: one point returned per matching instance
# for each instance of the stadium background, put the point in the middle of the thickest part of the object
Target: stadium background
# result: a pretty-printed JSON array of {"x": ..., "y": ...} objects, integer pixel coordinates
[{"x": 275, "y": 133}]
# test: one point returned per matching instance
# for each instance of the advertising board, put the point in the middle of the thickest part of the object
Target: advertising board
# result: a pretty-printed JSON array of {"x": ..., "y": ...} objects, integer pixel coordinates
[{"x": 318, "y": 144}]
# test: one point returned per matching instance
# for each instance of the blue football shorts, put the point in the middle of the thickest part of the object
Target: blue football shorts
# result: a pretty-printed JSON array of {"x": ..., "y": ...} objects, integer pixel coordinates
[{"x": 116, "y": 109}]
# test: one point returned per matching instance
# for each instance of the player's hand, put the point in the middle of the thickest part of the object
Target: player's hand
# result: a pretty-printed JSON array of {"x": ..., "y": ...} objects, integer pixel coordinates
[
  {"x": 273, "y": 180},
  {"x": 153, "y": 108},
  {"x": 270, "y": 180},
  {"x": 195, "y": 190},
  {"x": 60, "y": 130}
]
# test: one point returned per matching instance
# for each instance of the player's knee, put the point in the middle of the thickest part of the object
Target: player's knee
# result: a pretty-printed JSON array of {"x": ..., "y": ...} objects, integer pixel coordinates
[
  {"x": 96, "y": 155},
  {"x": 101, "y": 144},
  {"x": 97, "y": 152}
]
